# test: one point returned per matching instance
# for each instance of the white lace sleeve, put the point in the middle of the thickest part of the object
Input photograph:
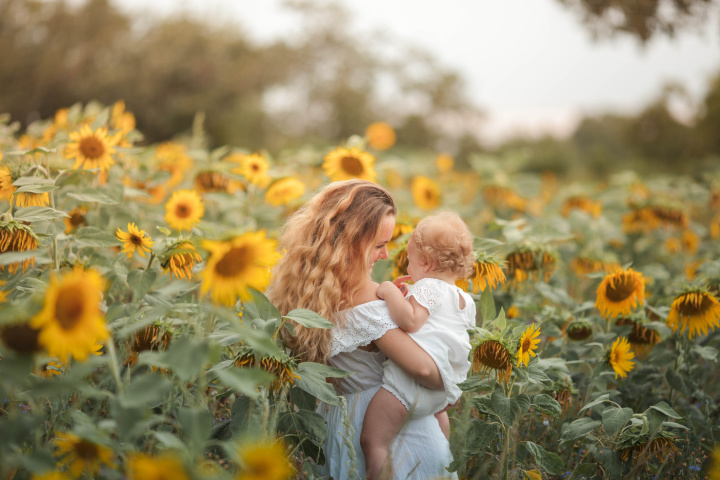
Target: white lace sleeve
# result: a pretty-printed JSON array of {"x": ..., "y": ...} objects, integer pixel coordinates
[
  {"x": 427, "y": 293},
  {"x": 363, "y": 324}
]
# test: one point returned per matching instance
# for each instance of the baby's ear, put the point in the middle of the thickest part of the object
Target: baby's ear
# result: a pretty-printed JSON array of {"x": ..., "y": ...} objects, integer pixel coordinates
[{"x": 428, "y": 266}]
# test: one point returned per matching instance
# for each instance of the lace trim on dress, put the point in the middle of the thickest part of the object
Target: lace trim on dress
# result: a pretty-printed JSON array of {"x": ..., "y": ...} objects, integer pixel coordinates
[
  {"x": 427, "y": 293},
  {"x": 363, "y": 324}
]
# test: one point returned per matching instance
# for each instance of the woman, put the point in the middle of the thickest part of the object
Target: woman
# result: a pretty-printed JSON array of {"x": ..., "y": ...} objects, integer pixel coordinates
[{"x": 331, "y": 246}]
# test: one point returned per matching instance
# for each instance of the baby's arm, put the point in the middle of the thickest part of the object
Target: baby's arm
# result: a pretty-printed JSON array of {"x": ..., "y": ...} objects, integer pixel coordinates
[{"x": 408, "y": 315}]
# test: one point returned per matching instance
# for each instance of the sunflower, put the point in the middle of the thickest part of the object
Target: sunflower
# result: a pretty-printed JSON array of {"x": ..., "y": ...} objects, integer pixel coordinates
[
  {"x": 690, "y": 241},
  {"x": 426, "y": 193},
  {"x": 3, "y": 293},
  {"x": 620, "y": 292},
  {"x": 82, "y": 455},
  {"x": 380, "y": 135},
  {"x": 149, "y": 338},
  {"x": 581, "y": 202},
  {"x": 71, "y": 321},
  {"x": 264, "y": 461},
  {"x": 640, "y": 220},
  {"x": 528, "y": 262},
  {"x": 51, "y": 475},
  {"x": 17, "y": 237},
  {"x": 6, "y": 182},
  {"x": 714, "y": 226},
  {"x": 284, "y": 191},
  {"x": 498, "y": 196},
  {"x": 714, "y": 469},
  {"x": 528, "y": 344},
  {"x": 642, "y": 339},
  {"x": 513, "y": 312},
  {"x": 20, "y": 338},
  {"x": 91, "y": 149},
  {"x": 163, "y": 467},
  {"x": 491, "y": 356},
  {"x": 619, "y": 357},
  {"x": 345, "y": 164},
  {"x": 400, "y": 263},
  {"x": 184, "y": 209},
  {"x": 75, "y": 219},
  {"x": 444, "y": 163},
  {"x": 585, "y": 265},
  {"x": 579, "y": 330},
  {"x": 401, "y": 228},
  {"x": 122, "y": 120},
  {"x": 50, "y": 369},
  {"x": 662, "y": 447},
  {"x": 134, "y": 239},
  {"x": 694, "y": 310},
  {"x": 29, "y": 199},
  {"x": 671, "y": 216},
  {"x": 236, "y": 264},
  {"x": 282, "y": 368},
  {"x": 253, "y": 167},
  {"x": 213, "y": 181},
  {"x": 179, "y": 258},
  {"x": 172, "y": 157},
  {"x": 487, "y": 274}
]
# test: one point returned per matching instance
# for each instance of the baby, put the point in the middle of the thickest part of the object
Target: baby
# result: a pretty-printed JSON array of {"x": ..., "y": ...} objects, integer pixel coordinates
[{"x": 437, "y": 315}]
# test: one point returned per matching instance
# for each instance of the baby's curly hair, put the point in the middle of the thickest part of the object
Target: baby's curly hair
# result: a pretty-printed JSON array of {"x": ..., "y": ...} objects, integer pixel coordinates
[{"x": 445, "y": 241}]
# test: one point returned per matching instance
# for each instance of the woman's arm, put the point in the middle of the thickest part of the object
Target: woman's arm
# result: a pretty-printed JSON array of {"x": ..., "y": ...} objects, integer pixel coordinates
[{"x": 408, "y": 355}]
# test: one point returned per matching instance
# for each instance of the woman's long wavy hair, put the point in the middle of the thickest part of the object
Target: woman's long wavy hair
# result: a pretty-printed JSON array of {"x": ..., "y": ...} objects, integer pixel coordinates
[{"x": 326, "y": 245}]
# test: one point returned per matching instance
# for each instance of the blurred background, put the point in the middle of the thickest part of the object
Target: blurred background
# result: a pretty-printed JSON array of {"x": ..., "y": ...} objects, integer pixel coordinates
[{"x": 581, "y": 88}]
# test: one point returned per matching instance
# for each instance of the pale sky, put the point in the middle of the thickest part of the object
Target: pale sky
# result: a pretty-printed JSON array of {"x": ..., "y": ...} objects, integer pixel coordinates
[{"x": 529, "y": 64}]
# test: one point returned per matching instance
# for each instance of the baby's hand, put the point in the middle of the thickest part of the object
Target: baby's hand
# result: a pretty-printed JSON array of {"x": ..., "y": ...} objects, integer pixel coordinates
[
  {"x": 384, "y": 288},
  {"x": 399, "y": 282}
]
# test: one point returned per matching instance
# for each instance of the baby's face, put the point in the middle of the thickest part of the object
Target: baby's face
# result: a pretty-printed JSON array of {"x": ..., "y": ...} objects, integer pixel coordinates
[{"x": 417, "y": 266}]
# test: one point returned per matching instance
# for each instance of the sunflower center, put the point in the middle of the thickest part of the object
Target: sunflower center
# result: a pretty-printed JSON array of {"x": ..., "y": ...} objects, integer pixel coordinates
[
  {"x": 525, "y": 345},
  {"x": 77, "y": 219},
  {"x": 86, "y": 450},
  {"x": 621, "y": 289},
  {"x": 429, "y": 195},
  {"x": 136, "y": 240},
  {"x": 182, "y": 210},
  {"x": 352, "y": 165},
  {"x": 234, "y": 262},
  {"x": 92, "y": 147},
  {"x": 69, "y": 308},
  {"x": 255, "y": 167}
]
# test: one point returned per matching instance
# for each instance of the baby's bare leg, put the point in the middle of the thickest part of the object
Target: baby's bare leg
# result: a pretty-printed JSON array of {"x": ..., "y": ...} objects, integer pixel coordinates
[{"x": 383, "y": 419}]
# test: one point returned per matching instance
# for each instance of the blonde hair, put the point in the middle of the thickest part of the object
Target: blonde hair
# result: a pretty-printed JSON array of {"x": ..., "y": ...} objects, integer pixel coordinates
[
  {"x": 327, "y": 244},
  {"x": 445, "y": 241}
]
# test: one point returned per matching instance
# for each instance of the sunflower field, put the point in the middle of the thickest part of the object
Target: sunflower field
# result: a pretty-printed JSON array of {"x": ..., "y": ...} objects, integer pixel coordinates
[{"x": 136, "y": 342}]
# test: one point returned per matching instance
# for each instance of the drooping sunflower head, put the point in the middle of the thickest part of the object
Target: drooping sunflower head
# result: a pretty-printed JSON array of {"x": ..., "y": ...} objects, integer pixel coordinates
[
  {"x": 671, "y": 215},
  {"x": 579, "y": 329},
  {"x": 645, "y": 449},
  {"x": 134, "y": 240},
  {"x": 31, "y": 199},
  {"x": 264, "y": 461},
  {"x": 583, "y": 203},
  {"x": 528, "y": 344},
  {"x": 17, "y": 237},
  {"x": 620, "y": 292},
  {"x": 151, "y": 337},
  {"x": 162, "y": 467},
  {"x": 178, "y": 259},
  {"x": 71, "y": 322},
  {"x": 6, "y": 182},
  {"x": 444, "y": 163},
  {"x": 90, "y": 149},
  {"x": 587, "y": 264},
  {"x": 488, "y": 274},
  {"x": 619, "y": 357},
  {"x": 213, "y": 181},
  {"x": 531, "y": 262},
  {"x": 76, "y": 219},
  {"x": 346, "y": 164},
  {"x": 695, "y": 310},
  {"x": 236, "y": 264},
  {"x": 640, "y": 220},
  {"x": 499, "y": 196},
  {"x": 20, "y": 338},
  {"x": 81, "y": 455},
  {"x": 283, "y": 368},
  {"x": 642, "y": 338},
  {"x": 380, "y": 135},
  {"x": 426, "y": 193},
  {"x": 284, "y": 191},
  {"x": 173, "y": 158},
  {"x": 492, "y": 357},
  {"x": 184, "y": 210}
]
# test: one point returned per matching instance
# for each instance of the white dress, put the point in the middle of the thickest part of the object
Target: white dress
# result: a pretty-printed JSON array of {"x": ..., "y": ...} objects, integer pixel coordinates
[
  {"x": 419, "y": 452},
  {"x": 444, "y": 336}
]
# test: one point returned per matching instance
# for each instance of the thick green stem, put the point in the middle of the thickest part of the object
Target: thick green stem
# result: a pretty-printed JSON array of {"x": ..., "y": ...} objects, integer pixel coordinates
[
  {"x": 505, "y": 457},
  {"x": 150, "y": 260},
  {"x": 114, "y": 364}
]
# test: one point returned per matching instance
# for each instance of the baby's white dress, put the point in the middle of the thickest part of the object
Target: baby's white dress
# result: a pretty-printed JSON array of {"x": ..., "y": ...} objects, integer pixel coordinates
[
  {"x": 420, "y": 451},
  {"x": 444, "y": 336}
]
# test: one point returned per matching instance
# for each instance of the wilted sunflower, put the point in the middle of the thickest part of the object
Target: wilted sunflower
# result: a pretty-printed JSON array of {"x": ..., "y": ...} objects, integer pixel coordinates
[
  {"x": 213, "y": 181},
  {"x": 264, "y": 461},
  {"x": 6, "y": 182},
  {"x": 75, "y": 219},
  {"x": 345, "y": 164},
  {"x": 579, "y": 330},
  {"x": 71, "y": 322},
  {"x": 82, "y": 455},
  {"x": 492, "y": 357},
  {"x": 426, "y": 193},
  {"x": 619, "y": 357},
  {"x": 236, "y": 264},
  {"x": 30, "y": 199},
  {"x": 91, "y": 149},
  {"x": 581, "y": 202},
  {"x": 172, "y": 157},
  {"x": 444, "y": 163},
  {"x": 282, "y": 368},
  {"x": 179, "y": 258},
  {"x": 162, "y": 467},
  {"x": 527, "y": 345},
  {"x": 283, "y": 191},
  {"x": 640, "y": 220},
  {"x": 20, "y": 338},
  {"x": 585, "y": 265},
  {"x": 671, "y": 216},
  {"x": 642, "y": 339},
  {"x": 380, "y": 135},
  {"x": 641, "y": 450},
  {"x": 17, "y": 237},
  {"x": 134, "y": 239},
  {"x": 184, "y": 209},
  {"x": 151, "y": 337},
  {"x": 620, "y": 292},
  {"x": 488, "y": 273},
  {"x": 695, "y": 310},
  {"x": 528, "y": 262}
]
